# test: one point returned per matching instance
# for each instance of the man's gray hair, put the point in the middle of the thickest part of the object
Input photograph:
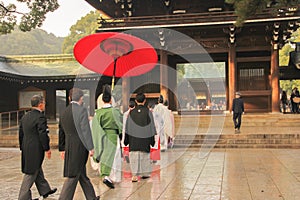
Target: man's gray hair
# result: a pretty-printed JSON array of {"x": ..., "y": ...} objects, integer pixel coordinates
[{"x": 36, "y": 100}]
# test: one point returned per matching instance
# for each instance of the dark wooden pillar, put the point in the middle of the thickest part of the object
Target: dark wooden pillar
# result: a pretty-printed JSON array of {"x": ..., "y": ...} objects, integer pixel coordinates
[
  {"x": 232, "y": 75},
  {"x": 275, "y": 78},
  {"x": 92, "y": 101},
  {"x": 172, "y": 85},
  {"x": 51, "y": 107},
  {"x": 125, "y": 93},
  {"x": 164, "y": 74},
  {"x": 208, "y": 98}
]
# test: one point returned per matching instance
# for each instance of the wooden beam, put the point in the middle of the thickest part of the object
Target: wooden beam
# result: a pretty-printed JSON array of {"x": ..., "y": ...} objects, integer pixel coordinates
[{"x": 253, "y": 59}]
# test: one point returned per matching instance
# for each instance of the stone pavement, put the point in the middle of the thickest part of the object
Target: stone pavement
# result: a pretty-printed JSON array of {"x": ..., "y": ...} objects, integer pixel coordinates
[{"x": 195, "y": 174}]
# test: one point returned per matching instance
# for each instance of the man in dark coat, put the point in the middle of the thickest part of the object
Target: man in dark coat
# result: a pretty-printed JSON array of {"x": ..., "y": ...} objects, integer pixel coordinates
[
  {"x": 295, "y": 105},
  {"x": 34, "y": 144},
  {"x": 75, "y": 144},
  {"x": 237, "y": 111},
  {"x": 139, "y": 134}
]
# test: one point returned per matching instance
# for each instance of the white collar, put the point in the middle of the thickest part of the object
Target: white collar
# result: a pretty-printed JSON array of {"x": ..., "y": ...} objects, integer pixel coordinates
[{"x": 107, "y": 105}]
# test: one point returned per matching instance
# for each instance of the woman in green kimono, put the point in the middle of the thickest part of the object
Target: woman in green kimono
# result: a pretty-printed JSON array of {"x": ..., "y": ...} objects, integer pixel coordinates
[{"x": 106, "y": 129}]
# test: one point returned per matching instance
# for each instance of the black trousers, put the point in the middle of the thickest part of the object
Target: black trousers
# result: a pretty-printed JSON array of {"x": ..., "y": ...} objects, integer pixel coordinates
[
  {"x": 70, "y": 184},
  {"x": 295, "y": 107},
  {"x": 41, "y": 183},
  {"x": 237, "y": 120}
]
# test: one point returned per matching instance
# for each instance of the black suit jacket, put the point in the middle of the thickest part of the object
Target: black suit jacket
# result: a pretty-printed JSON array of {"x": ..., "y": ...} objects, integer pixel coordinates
[
  {"x": 140, "y": 129},
  {"x": 238, "y": 105},
  {"x": 75, "y": 138},
  {"x": 33, "y": 140}
]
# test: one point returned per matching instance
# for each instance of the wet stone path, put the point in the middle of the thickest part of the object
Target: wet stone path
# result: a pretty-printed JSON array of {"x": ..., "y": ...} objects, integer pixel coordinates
[{"x": 194, "y": 174}]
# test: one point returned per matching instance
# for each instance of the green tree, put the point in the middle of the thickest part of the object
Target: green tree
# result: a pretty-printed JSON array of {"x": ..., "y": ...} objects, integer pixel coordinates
[
  {"x": 284, "y": 54},
  {"x": 288, "y": 85},
  {"x": 33, "y": 42},
  {"x": 83, "y": 27},
  {"x": 30, "y": 20},
  {"x": 247, "y": 8}
]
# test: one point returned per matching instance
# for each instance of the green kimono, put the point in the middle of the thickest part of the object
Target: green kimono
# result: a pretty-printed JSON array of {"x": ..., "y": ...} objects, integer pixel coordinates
[{"x": 106, "y": 128}]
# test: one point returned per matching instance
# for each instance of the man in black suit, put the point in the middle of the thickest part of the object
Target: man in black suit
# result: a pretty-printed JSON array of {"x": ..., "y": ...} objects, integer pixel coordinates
[
  {"x": 75, "y": 144},
  {"x": 237, "y": 111},
  {"x": 34, "y": 144}
]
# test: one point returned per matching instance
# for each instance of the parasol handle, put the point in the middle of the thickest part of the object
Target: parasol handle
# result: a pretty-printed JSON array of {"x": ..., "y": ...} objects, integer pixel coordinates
[
  {"x": 113, "y": 76},
  {"x": 112, "y": 83}
]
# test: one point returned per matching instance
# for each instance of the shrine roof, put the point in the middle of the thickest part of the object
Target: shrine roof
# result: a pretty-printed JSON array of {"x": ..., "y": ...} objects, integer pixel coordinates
[
  {"x": 121, "y": 8},
  {"x": 42, "y": 65},
  {"x": 178, "y": 13}
]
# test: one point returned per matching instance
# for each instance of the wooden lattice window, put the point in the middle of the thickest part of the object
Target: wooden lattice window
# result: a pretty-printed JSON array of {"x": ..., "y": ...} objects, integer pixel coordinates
[{"x": 252, "y": 79}]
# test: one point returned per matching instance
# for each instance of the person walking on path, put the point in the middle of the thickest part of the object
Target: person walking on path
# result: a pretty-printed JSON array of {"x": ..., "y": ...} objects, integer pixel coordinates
[
  {"x": 140, "y": 132},
  {"x": 294, "y": 97},
  {"x": 107, "y": 130},
  {"x": 125, "y": 116},
  {"x": 163, "y": 111},
  {"x": 158, "y": 122},
  {"x": 75, "y": 144},
  {"x": 171, "y": 128},
  {"x": 34, "y": 144},
  {"x": 237, "y": 111},
  {"x": 284, "y": 101}
]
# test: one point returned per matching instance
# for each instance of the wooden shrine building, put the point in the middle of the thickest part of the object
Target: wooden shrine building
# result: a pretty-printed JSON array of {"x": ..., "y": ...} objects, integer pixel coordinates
[
  {"x": 203, "y": 59},
  {"x": 249, "y": 53}
]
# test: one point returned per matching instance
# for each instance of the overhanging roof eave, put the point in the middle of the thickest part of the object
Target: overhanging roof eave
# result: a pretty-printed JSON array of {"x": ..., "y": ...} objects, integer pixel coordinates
[{"x": 229, "y": 22}]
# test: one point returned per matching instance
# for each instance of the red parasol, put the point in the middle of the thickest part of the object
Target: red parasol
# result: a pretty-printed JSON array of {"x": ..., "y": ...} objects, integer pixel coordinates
[{"x": 115, "y": 54}]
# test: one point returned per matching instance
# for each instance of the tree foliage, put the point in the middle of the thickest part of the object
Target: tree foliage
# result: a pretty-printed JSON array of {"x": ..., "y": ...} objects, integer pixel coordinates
[
  {"x": 32, "y": 19},
  {"x": 83, "y": 27},
  {"x": 284, "y": 54},
  {"x": 247, "y": 8},
  {"x": 34, "y": 42},
  {"x": 288, "y": 85}
]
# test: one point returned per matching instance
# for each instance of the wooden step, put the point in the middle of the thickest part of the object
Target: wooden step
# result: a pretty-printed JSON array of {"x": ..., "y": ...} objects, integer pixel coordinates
[
  {"x": 257, "y": 131},
  {"x": 239, "y": 141},
  {"x": 250, "y": 120}
]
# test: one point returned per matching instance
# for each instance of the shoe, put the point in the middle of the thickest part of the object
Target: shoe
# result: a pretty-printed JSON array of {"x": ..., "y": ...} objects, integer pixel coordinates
[
  {"x": 145, "y": 177},
  {"x": 134, "y": 179},
  {"x": 50, "y": 192},
  {"x": 108, "y": 183}
]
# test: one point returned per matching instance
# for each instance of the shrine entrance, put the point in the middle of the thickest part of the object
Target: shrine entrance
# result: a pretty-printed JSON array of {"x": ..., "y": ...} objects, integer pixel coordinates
[{"x": 201, "y": 86}]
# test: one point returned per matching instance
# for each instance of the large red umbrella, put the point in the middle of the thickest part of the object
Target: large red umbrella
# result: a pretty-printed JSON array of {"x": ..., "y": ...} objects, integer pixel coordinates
[{"x": 115, "y": 54}]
